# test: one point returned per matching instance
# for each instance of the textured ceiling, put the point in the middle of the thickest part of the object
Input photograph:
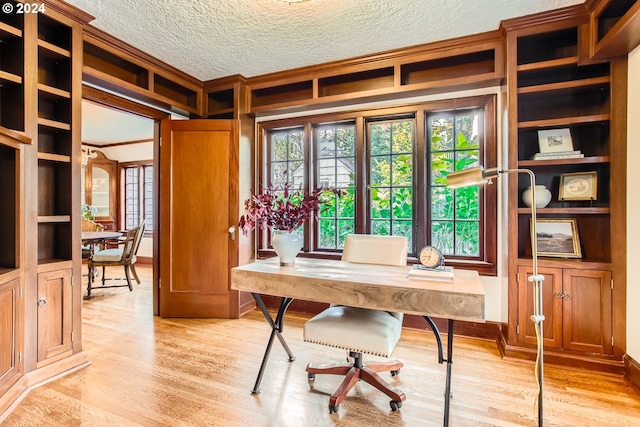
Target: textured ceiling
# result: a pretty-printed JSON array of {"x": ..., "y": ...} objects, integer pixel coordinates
[{"x": 216, "y": 38}]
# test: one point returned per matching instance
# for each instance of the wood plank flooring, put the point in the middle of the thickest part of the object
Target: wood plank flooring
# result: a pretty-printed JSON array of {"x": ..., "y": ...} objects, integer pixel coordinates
[{"x": 149, "y": 371}]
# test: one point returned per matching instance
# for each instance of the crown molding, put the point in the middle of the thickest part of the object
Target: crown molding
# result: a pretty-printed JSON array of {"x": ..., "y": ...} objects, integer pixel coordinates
[
  {"x": 68, "y": 10},
  {"x": 576, "y": 14}
]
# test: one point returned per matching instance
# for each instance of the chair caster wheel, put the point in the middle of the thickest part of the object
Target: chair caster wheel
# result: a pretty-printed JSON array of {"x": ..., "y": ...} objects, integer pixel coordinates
[
  {"x": 395, "y": 405},
  {"x": 311, "y": 377},
  {"x": 394, "y": 373},
  {"x": 333, "y": 409}
]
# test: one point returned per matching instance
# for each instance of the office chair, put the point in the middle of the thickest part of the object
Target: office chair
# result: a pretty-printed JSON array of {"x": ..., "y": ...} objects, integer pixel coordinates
[{"x": 360, "y": 330}]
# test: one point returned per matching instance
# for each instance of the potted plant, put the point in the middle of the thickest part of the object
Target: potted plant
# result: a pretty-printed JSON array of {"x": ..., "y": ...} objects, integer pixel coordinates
[{"x": 283, "y": 211}]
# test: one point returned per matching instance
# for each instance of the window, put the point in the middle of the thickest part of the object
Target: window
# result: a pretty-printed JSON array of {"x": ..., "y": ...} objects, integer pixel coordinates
[
  {"x": 391, "y": 153},
  {"x": 336, "y": 167},
  {"x": 454, "y": 144},
  {"x": 137, "y": 194},
  {"x": 286, "y": 158},
  {"x": 392, "y": 165}
]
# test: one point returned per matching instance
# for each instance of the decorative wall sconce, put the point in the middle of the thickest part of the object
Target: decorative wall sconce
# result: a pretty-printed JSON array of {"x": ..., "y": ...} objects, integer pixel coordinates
[{"x": 87, "y": 153}]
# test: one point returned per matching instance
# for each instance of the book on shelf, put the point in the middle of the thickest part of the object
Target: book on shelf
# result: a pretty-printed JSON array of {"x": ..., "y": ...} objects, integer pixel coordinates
[
  {"x": 419, "y": 272},
  {"x": 573, "y": 154}
]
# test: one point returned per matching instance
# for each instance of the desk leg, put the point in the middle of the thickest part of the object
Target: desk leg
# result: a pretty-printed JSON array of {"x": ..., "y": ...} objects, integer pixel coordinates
[
  {"x": 276, "y": 331},
  {"x": 441, "y": 359}
]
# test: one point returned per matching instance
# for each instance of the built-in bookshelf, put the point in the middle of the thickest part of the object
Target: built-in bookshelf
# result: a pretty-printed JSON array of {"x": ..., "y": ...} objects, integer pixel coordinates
[
  {"x": 54, "y": 140},
  {"x": 12, "y": 71}
]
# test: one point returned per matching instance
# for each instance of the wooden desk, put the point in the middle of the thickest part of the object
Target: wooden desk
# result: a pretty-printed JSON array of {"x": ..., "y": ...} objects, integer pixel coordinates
[{"x": 362, "y": 285}]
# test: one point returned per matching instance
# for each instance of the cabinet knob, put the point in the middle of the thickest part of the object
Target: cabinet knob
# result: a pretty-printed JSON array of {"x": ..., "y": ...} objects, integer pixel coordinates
[{"x": 42, "y": 302}]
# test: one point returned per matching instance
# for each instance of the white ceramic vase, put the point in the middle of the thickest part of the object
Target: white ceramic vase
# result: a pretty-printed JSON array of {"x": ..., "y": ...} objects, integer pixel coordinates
[
  {"x": 543, "y": 196},
  {"x": 287, "y": 245}
]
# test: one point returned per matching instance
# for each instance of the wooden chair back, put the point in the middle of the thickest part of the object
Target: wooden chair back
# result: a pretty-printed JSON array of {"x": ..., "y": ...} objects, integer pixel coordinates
[
  {"x": 88, "y": 225},
  {"x": 139, "y": 237},
  {"x": 129, "y": 244}
]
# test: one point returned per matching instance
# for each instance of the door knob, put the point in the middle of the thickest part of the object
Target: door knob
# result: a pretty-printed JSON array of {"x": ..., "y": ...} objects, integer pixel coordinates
[
  {"x": 232, "y": 232},
  {"x": 42, "y": 302}
]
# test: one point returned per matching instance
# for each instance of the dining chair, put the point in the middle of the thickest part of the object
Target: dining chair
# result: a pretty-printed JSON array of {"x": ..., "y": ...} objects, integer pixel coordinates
[
  {"x": 88, "y": 225},
  {"x": 124, "y": 255},
  {"x": 360, "y": 330}
]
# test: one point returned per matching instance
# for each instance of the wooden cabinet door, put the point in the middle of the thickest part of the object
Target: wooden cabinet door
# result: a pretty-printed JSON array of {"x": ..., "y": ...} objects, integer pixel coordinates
[
  {"x": 551, "y": 306},
  {"x": 198, "y": 203},
  {"x": 55, "y": 311},
  {"x": 587, "y": 311},
  {"x": 101, "y": 185},
  {"x": 10, "y": 334}
]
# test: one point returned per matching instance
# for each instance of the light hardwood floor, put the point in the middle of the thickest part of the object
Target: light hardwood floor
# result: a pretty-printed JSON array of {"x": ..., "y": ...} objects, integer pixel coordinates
[{"x": 149, "y": 371}]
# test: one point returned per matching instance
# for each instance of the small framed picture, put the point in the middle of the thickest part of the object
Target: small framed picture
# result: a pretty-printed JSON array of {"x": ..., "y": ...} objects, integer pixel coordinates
[
  {"x": 558, "y": 238},
  {"x": 555, "y": 140},
  {"x": 578, "y": 186}
]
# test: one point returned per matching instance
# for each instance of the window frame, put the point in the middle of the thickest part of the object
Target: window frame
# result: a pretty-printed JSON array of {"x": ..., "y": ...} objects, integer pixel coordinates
[{"x": 486, "y": 264}]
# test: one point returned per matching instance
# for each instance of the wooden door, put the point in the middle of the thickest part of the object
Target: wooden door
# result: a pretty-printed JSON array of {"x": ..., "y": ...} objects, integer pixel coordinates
[
  {"x": 11, "y": 329},
  {"x": 587, "y": 311},
  {"x": 198, "y": 203},
  {"x": 551, "y": 306},
  {"x": 55, "y": 302}
]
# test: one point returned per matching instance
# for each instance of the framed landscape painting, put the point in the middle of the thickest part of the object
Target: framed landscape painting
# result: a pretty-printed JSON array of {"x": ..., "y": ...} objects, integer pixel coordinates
[{"x": 558, "y": 238}]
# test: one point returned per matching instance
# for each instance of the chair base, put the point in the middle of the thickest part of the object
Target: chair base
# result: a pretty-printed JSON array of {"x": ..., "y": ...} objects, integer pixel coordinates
[
  {"x": 357, "y": 371},
  {"x": 92, "y": 275}
]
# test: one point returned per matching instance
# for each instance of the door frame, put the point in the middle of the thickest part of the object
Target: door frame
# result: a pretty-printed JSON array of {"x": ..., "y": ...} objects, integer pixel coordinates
[{"x": 116, "y": 102}]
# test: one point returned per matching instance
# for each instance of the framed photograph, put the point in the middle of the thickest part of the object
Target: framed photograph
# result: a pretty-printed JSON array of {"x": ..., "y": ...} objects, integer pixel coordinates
[
  {"x": 555, "y": 140},
  {"x": 578, "y": 186},
  {"x": 558, "y": 238}
]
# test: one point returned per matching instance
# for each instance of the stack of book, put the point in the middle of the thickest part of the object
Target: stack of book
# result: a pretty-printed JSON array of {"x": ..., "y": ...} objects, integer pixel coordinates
[
  {"x": 420, "y": 272},
  {"x": 574, "y": 154}
]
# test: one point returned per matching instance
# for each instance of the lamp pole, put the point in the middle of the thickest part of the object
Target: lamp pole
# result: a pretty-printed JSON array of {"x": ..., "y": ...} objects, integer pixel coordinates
[
  {"x": 536, "y": 278},
  {"x": 478, "y": 175}
]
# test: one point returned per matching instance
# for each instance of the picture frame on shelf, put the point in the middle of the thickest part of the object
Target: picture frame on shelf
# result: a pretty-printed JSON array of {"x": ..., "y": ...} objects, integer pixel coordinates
[
  {"x": 555, "y": 140},
  {"x": 558, "y": 237},
  {"x": 578, "y": 186}
]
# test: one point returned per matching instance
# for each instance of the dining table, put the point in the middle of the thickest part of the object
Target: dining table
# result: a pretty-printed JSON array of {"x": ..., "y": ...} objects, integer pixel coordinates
[{"x": 97, "y": 237}]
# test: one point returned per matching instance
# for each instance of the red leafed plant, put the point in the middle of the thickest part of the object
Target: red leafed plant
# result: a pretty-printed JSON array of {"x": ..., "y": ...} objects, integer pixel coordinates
[{"x": 280, "y": 208}]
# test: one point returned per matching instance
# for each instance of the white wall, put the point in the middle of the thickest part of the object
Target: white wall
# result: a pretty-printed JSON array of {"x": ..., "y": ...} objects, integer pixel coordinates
[{"x": 633, "y": 207}]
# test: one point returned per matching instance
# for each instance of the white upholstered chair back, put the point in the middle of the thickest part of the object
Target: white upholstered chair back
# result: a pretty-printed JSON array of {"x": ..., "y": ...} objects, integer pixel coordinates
[
  {"x": 370, "y": 249},
  {"x": 382, "y": 250}
]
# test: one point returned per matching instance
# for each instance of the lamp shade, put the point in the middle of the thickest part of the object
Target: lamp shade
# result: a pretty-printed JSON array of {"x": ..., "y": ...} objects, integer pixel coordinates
[{"x": 471, "y": 176}]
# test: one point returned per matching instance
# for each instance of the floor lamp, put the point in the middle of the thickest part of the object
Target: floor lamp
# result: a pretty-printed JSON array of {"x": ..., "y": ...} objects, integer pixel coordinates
[{"x": 478, "y": 175}]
